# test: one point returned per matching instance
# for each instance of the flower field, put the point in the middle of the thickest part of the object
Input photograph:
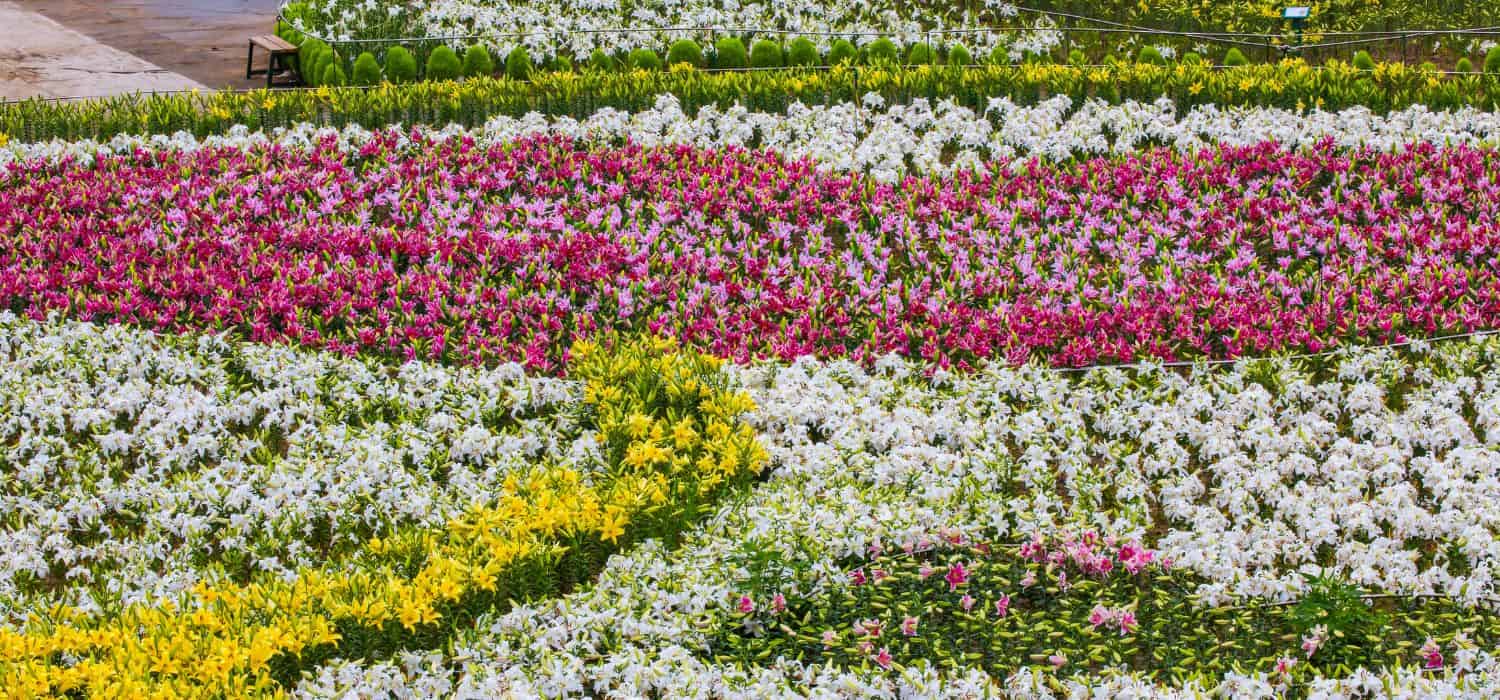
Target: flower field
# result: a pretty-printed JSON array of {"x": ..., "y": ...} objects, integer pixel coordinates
[{"x": 941, "y": 396}]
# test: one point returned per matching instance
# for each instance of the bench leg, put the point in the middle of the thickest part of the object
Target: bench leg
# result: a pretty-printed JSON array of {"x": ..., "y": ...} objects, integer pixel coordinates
[
  {"x": 250, "y": 62},
  {"x": 271, "y": 71}
]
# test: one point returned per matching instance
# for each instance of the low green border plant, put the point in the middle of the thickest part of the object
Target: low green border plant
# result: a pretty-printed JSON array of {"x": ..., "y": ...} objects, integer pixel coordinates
[{"x": 1290, "y": 84}]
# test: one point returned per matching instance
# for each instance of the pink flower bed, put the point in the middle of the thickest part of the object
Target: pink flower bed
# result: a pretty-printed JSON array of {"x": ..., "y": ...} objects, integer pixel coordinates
[{"x": 482, "y": 254}]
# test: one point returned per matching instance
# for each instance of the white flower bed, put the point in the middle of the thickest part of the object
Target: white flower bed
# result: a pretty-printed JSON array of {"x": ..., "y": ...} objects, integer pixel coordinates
[
  {"x": 548, "y": 28},
  {"x": 136, "y": 464},
  {"x": 888, "y": 142},
  {"x": 134, "y": 458},
  {"x": 1238, "y": 483}
]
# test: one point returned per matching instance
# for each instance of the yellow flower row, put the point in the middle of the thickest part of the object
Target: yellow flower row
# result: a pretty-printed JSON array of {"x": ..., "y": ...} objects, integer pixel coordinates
[{"x": 666, "y": 415}]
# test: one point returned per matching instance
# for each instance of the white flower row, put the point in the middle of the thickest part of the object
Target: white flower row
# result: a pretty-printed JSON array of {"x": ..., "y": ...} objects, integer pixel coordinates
[
  {"x": 674, "y": 672},
  {"x": 1334, "y": 471},
  {"x": 889, "y": 142},
  {"x": 548, "y": 28},
  {"x": 131, "y": 460}
]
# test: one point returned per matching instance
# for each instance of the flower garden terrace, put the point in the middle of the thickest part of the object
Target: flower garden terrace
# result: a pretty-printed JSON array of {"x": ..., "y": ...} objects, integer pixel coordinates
[
  {"x": 421, "y": 246},
  {"x": 424, "y": 411}
]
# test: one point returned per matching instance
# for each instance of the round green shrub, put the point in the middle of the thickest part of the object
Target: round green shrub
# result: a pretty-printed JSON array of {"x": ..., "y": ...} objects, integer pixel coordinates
[
  {"x": 1464, "y": 65},
  {"x": 1428, "y": 67},
  {"x": 1077, "y": 57},
  {"x": 1233, "y": 57},
  {"x": 1000, "y": 56},
  {"x": 645, "y": 59},
  {"x": 366, "y": 70},
  {"x": 730, "y": 52},
  {"x": 1363, "y": 61},
  {"x": 310, "y": 60},
  {"x": 1150, "y": 55},
  {"x": 685, "y": 51},
  {"x": 842, "y": 51},
  {"x": 1192, "y": 59},
  {"x": 881, "y": 50},
  {"x": 518, "y": 64},
  {"x": 920, "y": 54},
  {"x": 333, "y": 75},
  {"x": 959, "y": 56},
  {"x": 802, "y": 52},
  {"x": 400, "y": 66},
  {"x": 601, "y": 61},
  {"x": 560, "y": 64},
  {"x": 443, "y": 64},
  {"x": 326, "y": 59},
  {"x": 766, "y": 54},
  {"x": 1492, "y": 61},
  {"x": 477, "y": 62}
]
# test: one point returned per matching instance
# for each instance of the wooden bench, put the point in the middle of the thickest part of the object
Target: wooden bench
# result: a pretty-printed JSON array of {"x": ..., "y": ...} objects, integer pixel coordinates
[{"x": 283, "y": 59}]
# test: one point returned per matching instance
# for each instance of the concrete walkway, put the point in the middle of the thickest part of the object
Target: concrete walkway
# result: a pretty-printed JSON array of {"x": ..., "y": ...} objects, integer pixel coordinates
[
  {"x": 41, "y": 58},
  {"x": 201, "y": 39}
]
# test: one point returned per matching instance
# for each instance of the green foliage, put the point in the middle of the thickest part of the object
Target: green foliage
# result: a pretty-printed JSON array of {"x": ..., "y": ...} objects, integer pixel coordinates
[
  {"x": 1492, "y": 61},
  {"x": 1192, "y": 59},
  {"x": 685, "y": 51},
  {"x": 473, "y": 102},
  {"x": 518, "y": 64},
  {"x": 1077, "y": 57},
  {"x": 477, "y": 62},
  {"x": 958, "y": 55},
  {"x": 443, "y": 64},
  {"x": 841, "y": 52},
  {"x": 1350, "y": 622},
  {"x": 920, "y": 54},
  {"x": 881, "y": 51},
  {"x": 1004, "y": 611},
  {"x": 293, "y": 11},
  {"x": 1363, "y": 61},
  {"x": 645, "y": 59},
  {"x": 1464, "y": 65},
  {"x": 601, "y": 61},
  {"x": 1000, "y": 56},
  {"x": 730, "y": 52},
  {"x": 1150, "y": 56},
  {"x": 766, "y": 54},
  {"x": 327, "y": 58},
  {"x": 311, "y": 58},
  {"x": 400, "y": 65},
  {"x": 1233, "y": 57},
  {"x": 802, "y": 52},
  {"x": 366, "y": 70},
  {"x": 333, "y": 75}
]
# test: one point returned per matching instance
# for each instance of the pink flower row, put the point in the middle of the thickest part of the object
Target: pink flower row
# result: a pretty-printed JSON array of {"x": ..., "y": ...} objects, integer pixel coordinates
[{"x": 479, "y": 254}]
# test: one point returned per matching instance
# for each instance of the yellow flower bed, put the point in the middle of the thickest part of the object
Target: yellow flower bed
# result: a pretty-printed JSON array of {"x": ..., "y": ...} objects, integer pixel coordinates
[{"x": 670, "y": 432}]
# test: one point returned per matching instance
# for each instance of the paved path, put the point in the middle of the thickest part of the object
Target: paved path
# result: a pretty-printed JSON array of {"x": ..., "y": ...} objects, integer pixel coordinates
[
  {"x": 203, "y": 40},
  {"x": 39, "y": 57}
]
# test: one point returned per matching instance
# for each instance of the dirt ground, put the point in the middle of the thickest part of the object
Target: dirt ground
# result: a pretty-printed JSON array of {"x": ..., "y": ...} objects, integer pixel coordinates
[{"x": 203, "y": 40}]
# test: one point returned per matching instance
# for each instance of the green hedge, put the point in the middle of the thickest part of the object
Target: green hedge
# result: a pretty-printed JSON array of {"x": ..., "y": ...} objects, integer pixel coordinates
[
  {"x": 400, "y": 65},
  {"x": 685, "y": 51},
  {"x": 472, "y": 102},
  {"x": 443, "y": 64}
]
